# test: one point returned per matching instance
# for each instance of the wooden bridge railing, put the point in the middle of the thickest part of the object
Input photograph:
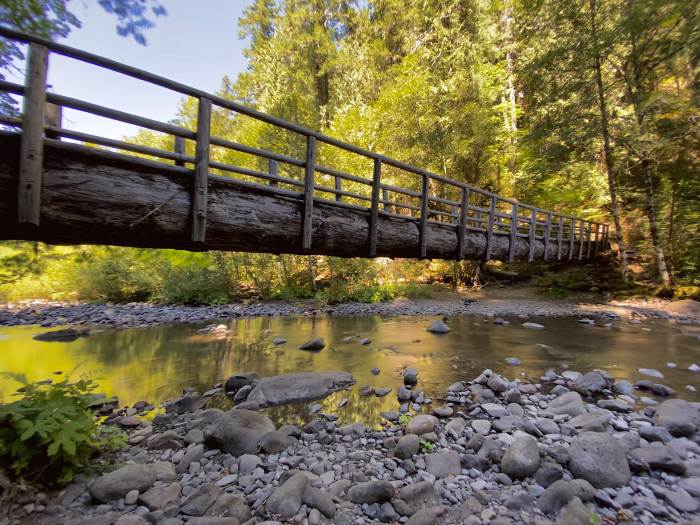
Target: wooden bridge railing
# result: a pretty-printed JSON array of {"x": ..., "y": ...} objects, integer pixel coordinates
[{"x": 469, "y": 209}]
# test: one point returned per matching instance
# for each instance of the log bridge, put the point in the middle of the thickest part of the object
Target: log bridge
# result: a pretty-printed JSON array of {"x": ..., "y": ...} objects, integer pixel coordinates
[{"x": 64, "y": 186}]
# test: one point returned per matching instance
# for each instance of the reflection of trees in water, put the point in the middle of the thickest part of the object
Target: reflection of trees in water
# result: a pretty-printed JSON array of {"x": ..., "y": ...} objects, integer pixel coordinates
[{"x": 359, "y": 409}]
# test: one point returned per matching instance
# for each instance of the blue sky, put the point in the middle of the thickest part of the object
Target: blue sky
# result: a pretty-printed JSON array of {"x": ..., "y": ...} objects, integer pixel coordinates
[{"x": 196, "y": 43}]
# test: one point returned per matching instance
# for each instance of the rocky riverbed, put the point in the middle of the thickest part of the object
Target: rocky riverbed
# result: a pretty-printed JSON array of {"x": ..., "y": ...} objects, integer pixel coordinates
[
  {"x": 567, "y": 448},
  {"x": 47, "y": 313}
]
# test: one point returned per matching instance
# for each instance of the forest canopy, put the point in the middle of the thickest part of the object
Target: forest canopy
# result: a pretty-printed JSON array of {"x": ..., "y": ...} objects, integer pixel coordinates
[{"x": 591, "y": 107}]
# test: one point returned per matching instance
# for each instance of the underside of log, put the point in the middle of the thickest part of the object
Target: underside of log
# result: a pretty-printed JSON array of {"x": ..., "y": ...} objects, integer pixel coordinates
[{"x": 97, "y": 197}]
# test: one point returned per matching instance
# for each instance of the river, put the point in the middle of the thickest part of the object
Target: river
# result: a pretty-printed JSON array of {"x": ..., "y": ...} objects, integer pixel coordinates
[{"x": 156, "y": 363}]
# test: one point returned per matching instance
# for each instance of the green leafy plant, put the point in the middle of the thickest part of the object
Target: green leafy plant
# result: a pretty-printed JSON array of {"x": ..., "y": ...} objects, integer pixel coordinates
[
  {"x": 50, "y": 433},
  {"x": 404, "y": 419},
  {"x": 426, "y": 446}
]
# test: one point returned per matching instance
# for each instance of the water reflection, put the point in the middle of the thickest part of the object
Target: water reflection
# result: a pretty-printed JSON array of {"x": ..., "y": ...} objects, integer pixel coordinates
[{"x": 156, "y": 363}]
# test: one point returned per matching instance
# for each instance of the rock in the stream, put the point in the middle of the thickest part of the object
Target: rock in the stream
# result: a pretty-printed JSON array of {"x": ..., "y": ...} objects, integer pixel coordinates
[
  {"x": 238, "y": 431},
  {"x": 315, "y": 344},
  {"x": 410, "y": 376},
  {"x": 593, "y": 383},
  {"x": 120, "y": 482},
  {"x": 238, "y": 381},
  {"x": 438, "y": 327},
  {"x": 300, "y": 387},
  {"x": 64, "y": 335},
  {"x": 599, "y": 459},
  {"x": 443, "y": 464},
  {"x": 534, "y": 326},
  {"x": 522, "y": 459},
  {"x": 279, "y": 341}
]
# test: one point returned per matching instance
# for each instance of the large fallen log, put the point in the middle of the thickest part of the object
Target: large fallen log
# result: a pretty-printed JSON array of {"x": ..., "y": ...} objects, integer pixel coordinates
[{"x": 97, "y": 197}]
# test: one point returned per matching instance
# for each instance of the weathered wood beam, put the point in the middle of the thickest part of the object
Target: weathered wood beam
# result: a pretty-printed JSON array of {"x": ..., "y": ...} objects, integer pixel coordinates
[{"x": 95, "y": 197}]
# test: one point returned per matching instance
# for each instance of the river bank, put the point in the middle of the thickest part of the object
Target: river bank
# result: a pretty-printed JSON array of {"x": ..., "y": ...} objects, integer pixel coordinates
[
  {"x": 568, "y": 448},
  {"x": 517, "y": 302}
]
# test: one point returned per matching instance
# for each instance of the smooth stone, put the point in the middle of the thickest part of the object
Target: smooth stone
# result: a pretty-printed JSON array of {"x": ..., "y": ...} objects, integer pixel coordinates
[
  {"x": 407, "y": 446},
  {"x": 118, "y": 483},
  {"x": 576, "y": 513},
  {"x": 286, "y": 499},
  {"x": 416, "y": 496},
  {"x": 599, "y": 459},
  {"x": 534, "y": 326},
  {"x": 298, "y": 387},
  {"x": 593, "y": 383},
  {"x": 279, "y": 341},
  {"x": 651, "y": 373},
  {"x": 522, "y": 459},
  {"x": 200, "y": 499},
  {"x": 238, "y": 431},
  {"x": 680, "y": 417},
  {"x": 443, "y": 464},
  {"x": 421, "y": 424},
  {"x": 376, "y": 491},
  {"x": 569, "y": 403},
  {"x": 658, "y": 457},
  {"x": 494, "y": 409},
  {"x": 161, "y": 496}
]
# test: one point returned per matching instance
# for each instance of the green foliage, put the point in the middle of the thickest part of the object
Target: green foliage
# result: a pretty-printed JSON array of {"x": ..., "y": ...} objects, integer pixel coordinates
[
  {"x": 426, "y": 446},
  {"x": 50, "y": 434},
  {"x": 404, "y": 419}
]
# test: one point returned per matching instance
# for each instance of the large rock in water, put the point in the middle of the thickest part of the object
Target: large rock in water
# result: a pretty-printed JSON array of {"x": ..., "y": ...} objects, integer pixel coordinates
[
  {"x": 680, "y": 417},
  {"x": 304, "y": 386},
  {"x": 599, "y": 459},
  {"x": 522, "y": 459},
  {"x": 238, "y": 431},
  {"x": 118, "y": 483},
  {"x": 314, "y": 344},
  {"x": 438, "y": 327}
]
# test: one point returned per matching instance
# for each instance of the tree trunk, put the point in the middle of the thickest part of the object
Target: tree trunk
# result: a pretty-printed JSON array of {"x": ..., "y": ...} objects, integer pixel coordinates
[
  {"x": 607, "y": 148},
  {"x": 653, "y": 223}
]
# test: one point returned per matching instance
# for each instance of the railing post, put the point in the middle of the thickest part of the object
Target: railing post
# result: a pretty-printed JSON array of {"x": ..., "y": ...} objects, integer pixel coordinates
[
  {"x": 32, "y": 142},
  {"x": 547, "y": 228},
  {"x": 606, "y": 237},
  {"x": 385, "y": 198},
  {"x": 514, "y": 214},
  {"x": 589, "y": 232},
  {"x": 572, "y": 234},
  {"x": 462, "y": 226},
  {"x": 309, "y": 168},
  {"x": 531, "y": 237},
  {"x": 374, "y": 210},
  {"x": 201, "y": 172},
  {"x": 179, "y": 148},
  {"x": 581, "y": 234},
  {"x": 423, "y": 233},
  {"x": 596, "y": 239},
  {"x": 273, "y": 168},
  {"x": 338, "y": 182},
  {"x": 489, "y": 231},
  {"x": 560, "y": 236}
]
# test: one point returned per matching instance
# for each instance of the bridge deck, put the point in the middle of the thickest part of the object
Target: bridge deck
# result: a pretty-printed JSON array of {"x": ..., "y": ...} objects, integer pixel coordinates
[{"x": 56, "y": 188}]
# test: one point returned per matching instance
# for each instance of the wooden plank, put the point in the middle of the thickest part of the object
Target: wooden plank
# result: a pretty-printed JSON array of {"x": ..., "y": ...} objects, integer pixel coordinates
[
  {"x": 531, "y": 234},
  {"x": 462, "y": 226},
  {"x": 179, "y": 148},
  {"x": 201, "y": 172},
  {"x": 560, "y": 237},
  {"x": 581, "y": 235},
  {"x": 572, "y": 233},
  {"x": 374, "y": 208},
  {"x": 339, "y": 187},
  {"x": 489, "y": 229},
  {"x": 53, "y": 118},
  {"x": 547, "y": 229},
  {"x": 32, "y": 144},
  {"x": 423, "y": 231},
  {"x": 273, "y": 168},
  {"x": 385, "y": 199},
  {"x": 309, "y": 169},
  {"x": 514, "y": 214}
]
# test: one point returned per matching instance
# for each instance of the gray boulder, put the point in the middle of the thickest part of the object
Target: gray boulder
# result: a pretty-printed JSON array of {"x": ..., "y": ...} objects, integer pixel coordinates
[
  {"x": 680, "y": 417},
  {"x": 522, "y": 459},
  {"x": 116, "y": 484},
  {"x": 300, "y": 387},
  {"x": 569, "y": 403},
  {"x": 657, "y": 456},
  {"x": 238, "y": 381},
  {"x": 416, "y": 496},
  {"x": 576, "y": 513},
  {"x": 238, "y": 431},
  {"x": 407, "y": 446},
  {"x": 599, "y": 459},
  {"x": 376, "y": 491},
  {"x": 161, "y": 496},
  {"x": 285, "y": 501},
  {"x": 443, "y": 464},
  {"x": 421, "y": 424},
  {"x": 593, "y": 383},
  {"x": 198, "y": 502}
]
